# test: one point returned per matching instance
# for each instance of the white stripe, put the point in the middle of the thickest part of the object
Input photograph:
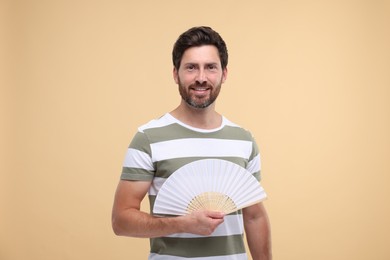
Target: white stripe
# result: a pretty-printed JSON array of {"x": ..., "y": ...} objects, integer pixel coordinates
[
  {"x": 137, "y": 159},
  {"x": 232, "y": 225},
  {"x": 206, "y": 147},
  {"x": 226, "y": 257},
  {"x": 156, "y": 185},
  {"x": 254, "y": 165}
]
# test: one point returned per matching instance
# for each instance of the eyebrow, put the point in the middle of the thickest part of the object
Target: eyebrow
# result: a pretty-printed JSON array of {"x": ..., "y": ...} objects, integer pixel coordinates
[{"x": 195, "y": 63}]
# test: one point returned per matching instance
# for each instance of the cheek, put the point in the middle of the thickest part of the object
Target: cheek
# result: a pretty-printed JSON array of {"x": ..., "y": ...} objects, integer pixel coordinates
[
  {"x": 185, "y": 79},
  {"x": 217, "y": 79}
]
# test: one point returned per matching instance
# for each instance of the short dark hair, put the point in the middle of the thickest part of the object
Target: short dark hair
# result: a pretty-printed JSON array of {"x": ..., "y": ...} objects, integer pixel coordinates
[{"x": 199, "y": 36}]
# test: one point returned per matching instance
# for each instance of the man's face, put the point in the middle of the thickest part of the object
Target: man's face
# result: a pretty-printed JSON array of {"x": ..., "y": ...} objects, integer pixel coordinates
[{"x": 200, "y": 76}]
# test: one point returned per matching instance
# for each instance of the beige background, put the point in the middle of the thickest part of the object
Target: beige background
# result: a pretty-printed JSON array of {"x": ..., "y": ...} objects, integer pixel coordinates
[{"x": 310, "y": 79}]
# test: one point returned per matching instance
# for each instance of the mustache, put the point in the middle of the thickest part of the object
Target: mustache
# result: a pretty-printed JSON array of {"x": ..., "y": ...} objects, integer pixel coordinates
[{"x": 200, "y": 85}]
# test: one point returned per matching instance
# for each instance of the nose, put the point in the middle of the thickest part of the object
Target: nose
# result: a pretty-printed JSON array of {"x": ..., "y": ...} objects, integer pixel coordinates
[{"x": 201, "y": 77}]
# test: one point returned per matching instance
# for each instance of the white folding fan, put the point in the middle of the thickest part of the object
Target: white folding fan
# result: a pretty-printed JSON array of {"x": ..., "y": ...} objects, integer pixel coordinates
[{"x": 209, "y": 184}]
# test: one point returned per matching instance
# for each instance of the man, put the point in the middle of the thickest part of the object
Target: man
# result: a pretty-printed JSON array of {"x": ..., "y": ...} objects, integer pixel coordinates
[{"x": 192, "y": 131}]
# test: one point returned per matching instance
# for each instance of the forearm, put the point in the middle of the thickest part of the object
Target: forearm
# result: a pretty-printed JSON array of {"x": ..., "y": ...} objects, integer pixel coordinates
[
  {"x": 259, "y": 239},
  {"x": 135, "y": 223},
  {"x": 129, "y": 220},
  {"x": 258, "y": 233}
]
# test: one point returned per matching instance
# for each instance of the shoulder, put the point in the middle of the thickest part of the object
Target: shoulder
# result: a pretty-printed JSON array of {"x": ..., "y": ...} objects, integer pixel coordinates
[
  {"x": 162, "y": 121},
  {"x": 237, "y": 129}
]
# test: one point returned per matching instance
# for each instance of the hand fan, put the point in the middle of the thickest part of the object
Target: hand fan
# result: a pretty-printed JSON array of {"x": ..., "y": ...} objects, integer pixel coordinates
[{"x": 209, "y": 184}]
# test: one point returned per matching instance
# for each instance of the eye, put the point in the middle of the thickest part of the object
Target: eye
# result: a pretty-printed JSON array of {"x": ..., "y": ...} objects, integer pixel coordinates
[
  {"x": 190, "y": 67},
  {"x": 212, "y": 67}
]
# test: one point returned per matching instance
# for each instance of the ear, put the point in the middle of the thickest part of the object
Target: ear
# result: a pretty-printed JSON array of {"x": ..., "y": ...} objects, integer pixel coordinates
[
  {"x": 175, "y": 75},
  {"x": 224, "y": 74}
]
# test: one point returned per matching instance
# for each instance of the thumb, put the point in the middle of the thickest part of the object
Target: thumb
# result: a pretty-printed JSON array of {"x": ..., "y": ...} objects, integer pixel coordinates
[{"x": 215, "y": 214}]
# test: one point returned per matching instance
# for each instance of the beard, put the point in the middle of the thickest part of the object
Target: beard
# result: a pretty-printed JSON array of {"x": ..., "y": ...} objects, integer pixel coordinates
[{"x": 199, "y": 102}]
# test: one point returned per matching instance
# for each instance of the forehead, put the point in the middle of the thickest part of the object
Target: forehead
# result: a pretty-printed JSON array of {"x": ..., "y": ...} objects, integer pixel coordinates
[{"x": 201, "y": 54}]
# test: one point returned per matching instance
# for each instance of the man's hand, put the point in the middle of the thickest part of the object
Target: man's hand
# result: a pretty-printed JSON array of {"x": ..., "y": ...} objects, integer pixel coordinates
[{"x": 202, "y": 222}]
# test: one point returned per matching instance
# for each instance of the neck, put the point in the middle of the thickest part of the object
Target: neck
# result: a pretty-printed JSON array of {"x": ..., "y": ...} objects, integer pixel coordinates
[{"x": 205, "y": 118}]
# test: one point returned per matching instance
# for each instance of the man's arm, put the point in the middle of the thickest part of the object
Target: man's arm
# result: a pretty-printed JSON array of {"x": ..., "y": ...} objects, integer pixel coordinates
[
  {"x": 129, "y": 220},
  {"x": 258, "y": 232}
]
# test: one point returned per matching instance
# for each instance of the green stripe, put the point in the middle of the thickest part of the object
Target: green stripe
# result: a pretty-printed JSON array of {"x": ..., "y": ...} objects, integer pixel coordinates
[
  {"x": 198, "y": 247},
  {"x": 255, "y": 150},
  {"x": 257, "y": 175},
  {"x": 140, "y": 140},
  {"x": 167, "y": 167},
  {"x": 176, "y": 131},
  {"x": 136, "y": 174}
]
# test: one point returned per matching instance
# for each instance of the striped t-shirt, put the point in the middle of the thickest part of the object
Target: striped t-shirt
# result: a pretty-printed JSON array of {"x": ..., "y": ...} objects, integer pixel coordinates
[{"x": 162, "y": 146}]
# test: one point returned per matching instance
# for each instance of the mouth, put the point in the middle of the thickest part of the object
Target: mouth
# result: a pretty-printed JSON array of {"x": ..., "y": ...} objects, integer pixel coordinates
[
  {"x": 200, "y": 92},
  {"x": 200, "y": 89}
]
